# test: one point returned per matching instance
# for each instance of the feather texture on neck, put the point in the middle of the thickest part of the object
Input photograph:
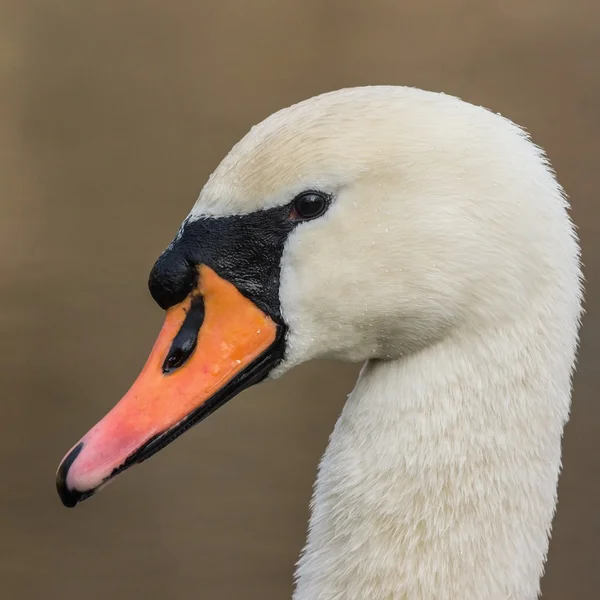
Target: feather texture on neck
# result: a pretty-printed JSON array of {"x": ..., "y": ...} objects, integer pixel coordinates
[{"x": 440, "y": 478}]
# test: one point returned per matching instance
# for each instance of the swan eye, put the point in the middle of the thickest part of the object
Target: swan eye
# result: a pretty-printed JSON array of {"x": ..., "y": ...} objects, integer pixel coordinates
[{"x": 309, "y": 205}]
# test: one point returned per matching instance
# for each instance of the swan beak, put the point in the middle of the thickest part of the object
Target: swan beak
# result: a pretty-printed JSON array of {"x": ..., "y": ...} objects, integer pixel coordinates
[{"x": 212, "y": 345}]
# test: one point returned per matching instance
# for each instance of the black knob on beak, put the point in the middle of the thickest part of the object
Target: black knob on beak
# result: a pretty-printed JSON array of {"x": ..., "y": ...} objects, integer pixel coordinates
[{"x": 172, "y": 278}]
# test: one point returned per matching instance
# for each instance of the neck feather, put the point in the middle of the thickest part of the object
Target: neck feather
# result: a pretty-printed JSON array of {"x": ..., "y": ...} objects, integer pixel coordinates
[{"x": 440, "y": 477}]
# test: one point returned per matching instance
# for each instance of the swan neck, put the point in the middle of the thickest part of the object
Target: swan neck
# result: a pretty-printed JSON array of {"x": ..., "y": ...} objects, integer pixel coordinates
[{"x": 440, "y": 477}]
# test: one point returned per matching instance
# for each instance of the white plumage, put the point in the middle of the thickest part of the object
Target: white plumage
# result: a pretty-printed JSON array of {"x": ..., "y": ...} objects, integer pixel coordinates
[{"x": 448, "y": 262}]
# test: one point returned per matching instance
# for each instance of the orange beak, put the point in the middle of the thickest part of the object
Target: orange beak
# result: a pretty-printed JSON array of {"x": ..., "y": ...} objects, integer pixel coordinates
[{"x": 212, "y": 345}]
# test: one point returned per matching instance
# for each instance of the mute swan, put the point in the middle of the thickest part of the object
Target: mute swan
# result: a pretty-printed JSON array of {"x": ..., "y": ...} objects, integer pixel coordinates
[{"x": 429, "y": 238}]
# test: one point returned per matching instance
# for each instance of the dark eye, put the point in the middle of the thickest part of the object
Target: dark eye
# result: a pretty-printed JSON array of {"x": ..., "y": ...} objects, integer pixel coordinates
[{"x": 309, "y": 205}]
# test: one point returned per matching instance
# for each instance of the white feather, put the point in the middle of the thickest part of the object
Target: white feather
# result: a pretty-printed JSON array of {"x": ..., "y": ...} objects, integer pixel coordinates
[{"x": 449, "y": 263}]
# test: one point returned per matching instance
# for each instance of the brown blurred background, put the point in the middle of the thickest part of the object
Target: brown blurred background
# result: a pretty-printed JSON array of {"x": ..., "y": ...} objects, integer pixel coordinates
[{"x": 112, "y": 116}]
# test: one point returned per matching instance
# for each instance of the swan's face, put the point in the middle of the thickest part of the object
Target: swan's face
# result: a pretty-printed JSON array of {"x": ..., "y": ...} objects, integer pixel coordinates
[{"x": 361, "y": 224}]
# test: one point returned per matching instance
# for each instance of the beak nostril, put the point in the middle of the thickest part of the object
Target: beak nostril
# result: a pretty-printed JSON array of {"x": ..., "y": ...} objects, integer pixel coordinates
[
  {"x": 186, "y": 339},
  {"x": 175, "y": 359}
]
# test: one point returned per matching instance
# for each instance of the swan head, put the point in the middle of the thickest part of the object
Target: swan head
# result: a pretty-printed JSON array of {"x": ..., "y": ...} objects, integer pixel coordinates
[{"x": 361, "y": 224}]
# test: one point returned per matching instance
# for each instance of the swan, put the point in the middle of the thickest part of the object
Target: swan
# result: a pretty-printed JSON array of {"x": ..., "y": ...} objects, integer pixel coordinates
[{"x": 419, "y": 234}]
